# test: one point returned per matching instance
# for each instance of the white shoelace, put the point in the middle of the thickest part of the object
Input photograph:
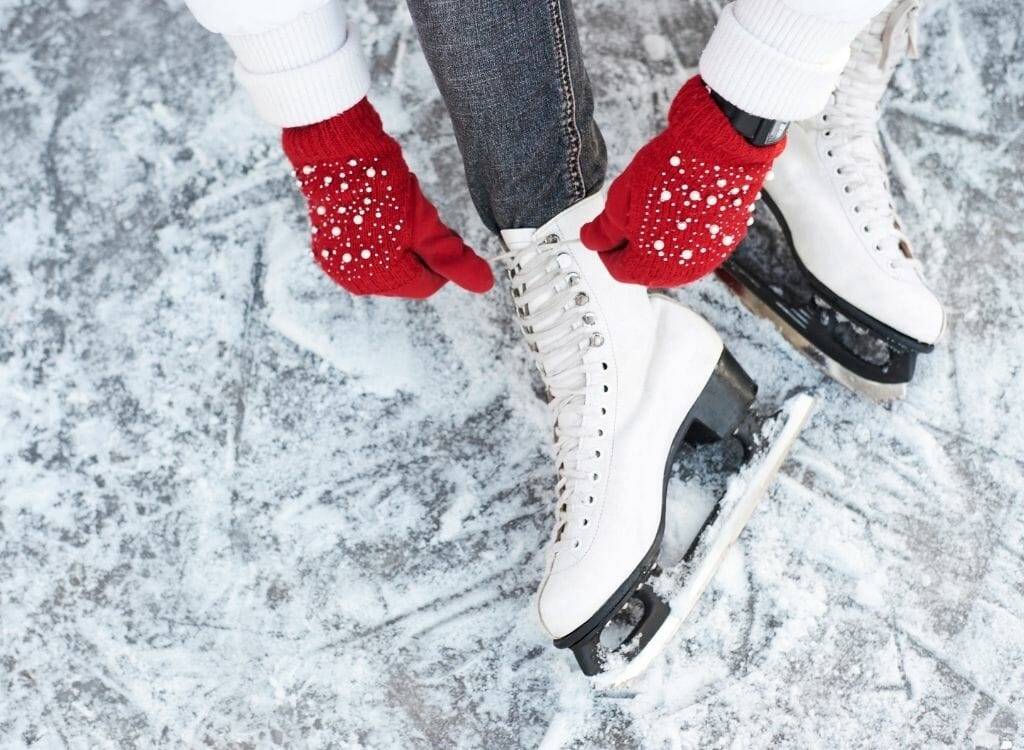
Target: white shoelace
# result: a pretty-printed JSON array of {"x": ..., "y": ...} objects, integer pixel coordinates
[
  {"x": 852, "y": 119},
  {"x": 559, "y": 326}
]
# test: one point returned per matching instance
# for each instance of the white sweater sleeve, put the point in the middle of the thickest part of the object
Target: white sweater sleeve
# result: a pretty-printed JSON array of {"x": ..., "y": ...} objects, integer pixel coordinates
[
  {"x": 300, "y": 61},
  {"x": 781, "y": 58}
]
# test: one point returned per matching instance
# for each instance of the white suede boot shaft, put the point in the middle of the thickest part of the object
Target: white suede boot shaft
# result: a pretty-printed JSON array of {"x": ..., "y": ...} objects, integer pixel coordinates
[
  {"x": 831, "y": 185},
  {"x": 622, "y": 370}
]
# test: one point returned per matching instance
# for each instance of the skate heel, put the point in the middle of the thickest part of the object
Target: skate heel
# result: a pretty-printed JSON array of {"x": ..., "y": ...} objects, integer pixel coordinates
[{"x": 723, "y": 405}]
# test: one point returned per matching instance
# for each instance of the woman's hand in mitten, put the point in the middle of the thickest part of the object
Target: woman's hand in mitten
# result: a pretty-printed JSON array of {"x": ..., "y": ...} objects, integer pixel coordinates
[
  {"x": 685, "y": 202},
  {"x": 373, "y": 230}
]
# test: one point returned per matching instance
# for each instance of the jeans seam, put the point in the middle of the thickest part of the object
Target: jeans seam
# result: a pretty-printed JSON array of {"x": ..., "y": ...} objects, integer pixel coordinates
[{"x": 572, "y": 130}]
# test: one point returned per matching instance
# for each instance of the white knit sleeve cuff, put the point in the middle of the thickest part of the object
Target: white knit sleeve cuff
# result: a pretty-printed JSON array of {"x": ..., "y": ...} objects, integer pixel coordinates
[
  {"x": 776, "y": 62},
  {"x": 303, "y": 72}
]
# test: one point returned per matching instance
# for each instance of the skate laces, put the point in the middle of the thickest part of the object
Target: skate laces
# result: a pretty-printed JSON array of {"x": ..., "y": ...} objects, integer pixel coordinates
[
  {"x": 558, "y": 324},
  {"x": 852, "y": 120}
]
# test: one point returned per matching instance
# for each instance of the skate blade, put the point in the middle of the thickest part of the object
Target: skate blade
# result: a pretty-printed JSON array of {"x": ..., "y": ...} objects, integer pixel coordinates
[
  {"x": 741, "y": 499},
  {"x": 881, "y": 393}
]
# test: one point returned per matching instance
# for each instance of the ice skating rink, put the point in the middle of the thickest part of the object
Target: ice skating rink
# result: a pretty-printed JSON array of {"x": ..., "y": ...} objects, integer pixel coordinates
[{"x": 240, "y": 509}]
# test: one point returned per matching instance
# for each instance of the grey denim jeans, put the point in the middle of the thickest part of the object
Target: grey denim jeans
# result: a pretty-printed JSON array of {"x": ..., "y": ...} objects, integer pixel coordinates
[{"x": 511, "y": 73}]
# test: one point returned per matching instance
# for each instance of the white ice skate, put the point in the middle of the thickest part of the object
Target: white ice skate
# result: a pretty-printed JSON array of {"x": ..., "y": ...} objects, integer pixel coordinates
[
  {"x": 630, "y": 377},
  {"x": 852, "y": 298}
]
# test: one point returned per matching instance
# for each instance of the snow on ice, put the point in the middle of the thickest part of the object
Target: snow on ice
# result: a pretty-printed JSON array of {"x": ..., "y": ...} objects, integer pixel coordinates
[{"x": 240, "y": 508}]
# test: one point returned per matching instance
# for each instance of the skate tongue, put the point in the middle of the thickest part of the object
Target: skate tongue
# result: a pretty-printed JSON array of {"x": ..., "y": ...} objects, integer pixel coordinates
[
  {"x": 902, "y": 24},
  {"x": 517, "y": 240},
  {"x": 877, "y": 51}
]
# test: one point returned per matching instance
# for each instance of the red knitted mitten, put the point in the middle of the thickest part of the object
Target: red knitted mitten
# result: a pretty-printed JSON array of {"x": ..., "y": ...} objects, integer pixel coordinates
[
  {"x": 373, "y": 231},
  {"x": 685, "y": 202}
]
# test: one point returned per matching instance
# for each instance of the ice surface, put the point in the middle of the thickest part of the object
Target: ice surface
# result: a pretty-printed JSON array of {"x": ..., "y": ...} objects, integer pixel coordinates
[{"x": 242, "y": 509}]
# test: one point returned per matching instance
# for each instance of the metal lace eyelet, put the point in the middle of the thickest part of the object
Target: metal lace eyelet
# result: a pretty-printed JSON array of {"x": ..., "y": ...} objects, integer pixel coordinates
[
  {"x": 573, "y": 279},
  {"x": 596, "y": 339},
  {"x": 552, "y": 239},
  {"x": 582, "y": 299},
  {"x": 589, "y": 319}
]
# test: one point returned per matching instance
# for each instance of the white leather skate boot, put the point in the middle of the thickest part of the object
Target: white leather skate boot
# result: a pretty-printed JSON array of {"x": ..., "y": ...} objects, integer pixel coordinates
[
  {"x": 831, "y": 195},
  {"x": 629, "y": 377}
]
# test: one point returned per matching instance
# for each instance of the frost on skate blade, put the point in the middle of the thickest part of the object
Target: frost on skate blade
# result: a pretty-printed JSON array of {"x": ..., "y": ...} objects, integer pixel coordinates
[
  {"x": 632, "y": 618},
  {"x": 717, "y": 413},
  {"x": 683, "y": 586},
  {"x": 847, "y": 344}
]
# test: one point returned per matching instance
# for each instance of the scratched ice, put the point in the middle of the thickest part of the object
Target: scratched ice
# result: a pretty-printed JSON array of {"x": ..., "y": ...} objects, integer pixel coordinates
[{"x": 243, "y": 509}]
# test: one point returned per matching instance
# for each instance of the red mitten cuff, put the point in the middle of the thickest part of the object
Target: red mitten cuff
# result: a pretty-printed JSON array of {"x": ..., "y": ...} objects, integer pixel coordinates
[
  {"x": 355, "y": 132},
  {"x": 685, "y": 201},
  {"x": 373, "y": 231}
]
